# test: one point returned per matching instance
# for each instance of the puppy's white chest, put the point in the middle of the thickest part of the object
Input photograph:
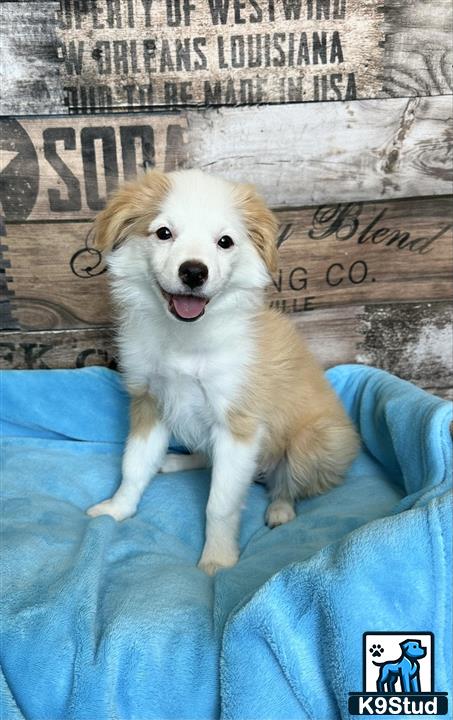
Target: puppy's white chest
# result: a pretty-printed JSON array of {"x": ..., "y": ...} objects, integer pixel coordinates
[
  {"x": 187, "y": 408},
  {"x": 195, "y": 386}
]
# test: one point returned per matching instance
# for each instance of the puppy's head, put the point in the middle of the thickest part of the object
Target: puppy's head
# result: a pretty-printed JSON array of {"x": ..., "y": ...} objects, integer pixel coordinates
[{"x": 188, "y": 239}]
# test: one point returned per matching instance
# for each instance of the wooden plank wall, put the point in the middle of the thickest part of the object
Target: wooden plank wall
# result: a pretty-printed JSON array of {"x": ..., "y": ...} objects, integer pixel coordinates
[{"x": 338, "y": 110}]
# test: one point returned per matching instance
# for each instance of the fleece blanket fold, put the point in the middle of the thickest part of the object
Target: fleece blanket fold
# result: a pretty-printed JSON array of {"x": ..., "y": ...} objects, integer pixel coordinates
[{"x": 113, "y": 621}]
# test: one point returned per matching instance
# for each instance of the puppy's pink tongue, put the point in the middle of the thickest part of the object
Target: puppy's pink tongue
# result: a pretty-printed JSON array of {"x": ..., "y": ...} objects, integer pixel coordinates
[{"x": 188, "y": 306}]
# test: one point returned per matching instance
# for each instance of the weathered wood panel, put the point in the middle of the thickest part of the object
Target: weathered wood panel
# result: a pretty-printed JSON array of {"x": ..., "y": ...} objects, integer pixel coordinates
[
  {"x": 63, "y": 168},
  {"x": 329, "y": 256},
  {"x": 418, "y": 48},
  {"x": 56, "y": 349},
  {"x": 411, "y": 340},
  {"x": 80, "y": 56},
  {"x": 30, "y": 74},
  {"x": 7, "y": 322},
  {"x": 221, "y": 52},
  {"x": 50, "y": 286},
  {"x": 414, "y": 342}
]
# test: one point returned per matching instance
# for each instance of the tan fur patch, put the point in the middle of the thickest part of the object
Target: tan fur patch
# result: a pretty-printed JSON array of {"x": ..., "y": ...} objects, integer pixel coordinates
[
  {"x": 144, "y": 414},
  {"x": 130, "y": 209},
  {"x": 261, "y": 223},
  {"x": 243, "y": 425},
  {"x": 308, "y": 437}
]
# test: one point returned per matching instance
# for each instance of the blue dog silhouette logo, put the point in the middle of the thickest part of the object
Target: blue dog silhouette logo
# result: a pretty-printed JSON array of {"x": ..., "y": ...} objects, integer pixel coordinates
[
  {"x": 406, "y": 669},
  {"x": 398, "y": 676}
]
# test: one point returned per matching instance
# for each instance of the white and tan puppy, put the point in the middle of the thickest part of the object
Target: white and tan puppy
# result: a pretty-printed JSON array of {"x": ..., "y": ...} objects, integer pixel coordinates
[{"x": 190, "y": 256}]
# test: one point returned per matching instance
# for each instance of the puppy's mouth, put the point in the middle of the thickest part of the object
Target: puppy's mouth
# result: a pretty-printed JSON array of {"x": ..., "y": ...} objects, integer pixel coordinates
[{"x": 187, "y": 308}]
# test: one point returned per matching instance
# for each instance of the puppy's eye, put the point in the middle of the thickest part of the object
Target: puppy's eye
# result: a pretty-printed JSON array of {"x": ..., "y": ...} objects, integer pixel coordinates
[
  {"x": 225, "y": 242},
  {"x": 163, "y": 233}
]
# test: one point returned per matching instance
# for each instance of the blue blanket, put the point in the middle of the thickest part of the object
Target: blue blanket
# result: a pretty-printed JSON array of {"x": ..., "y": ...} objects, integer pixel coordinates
[{"x": 105, "y": 621}]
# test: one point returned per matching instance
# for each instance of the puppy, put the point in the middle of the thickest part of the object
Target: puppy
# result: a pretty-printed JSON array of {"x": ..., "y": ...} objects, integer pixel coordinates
[{"x": 190, "y": 256}]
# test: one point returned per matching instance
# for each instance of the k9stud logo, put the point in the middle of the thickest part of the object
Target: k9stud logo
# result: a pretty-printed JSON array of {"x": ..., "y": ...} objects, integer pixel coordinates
[{"x": 398, "y": 676}]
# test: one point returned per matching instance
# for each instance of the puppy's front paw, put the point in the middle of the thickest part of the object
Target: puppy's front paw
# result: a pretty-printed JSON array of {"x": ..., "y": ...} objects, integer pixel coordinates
[
  {"x": 211, "y": 562},
  {"x": 110, "y": 507}
]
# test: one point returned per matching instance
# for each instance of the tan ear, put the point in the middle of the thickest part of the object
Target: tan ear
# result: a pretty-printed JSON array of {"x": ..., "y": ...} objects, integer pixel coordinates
[
  {"x": 130, "y": 209},
  {"x": 261, "y": 224}
]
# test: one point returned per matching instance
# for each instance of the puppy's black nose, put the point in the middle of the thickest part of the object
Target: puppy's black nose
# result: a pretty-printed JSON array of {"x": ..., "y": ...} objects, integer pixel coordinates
[{"x": 193, "y": 273}]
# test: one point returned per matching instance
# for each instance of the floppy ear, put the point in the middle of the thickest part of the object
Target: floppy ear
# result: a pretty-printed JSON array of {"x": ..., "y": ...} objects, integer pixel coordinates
[
  {"x": 261, "y": 224},
  {"x": 130, "y": 209}
]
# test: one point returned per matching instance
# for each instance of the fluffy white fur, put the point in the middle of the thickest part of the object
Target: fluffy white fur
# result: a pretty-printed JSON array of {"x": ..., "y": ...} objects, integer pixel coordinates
[{"x": 197, "y": 373}]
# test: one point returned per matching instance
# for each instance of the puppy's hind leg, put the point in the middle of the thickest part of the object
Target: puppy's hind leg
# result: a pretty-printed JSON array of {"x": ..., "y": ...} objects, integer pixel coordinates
[
  {"x": 145, "y": 448},
  {"x": 315, "y": 461},
  {"x": 281, "y": 509}
]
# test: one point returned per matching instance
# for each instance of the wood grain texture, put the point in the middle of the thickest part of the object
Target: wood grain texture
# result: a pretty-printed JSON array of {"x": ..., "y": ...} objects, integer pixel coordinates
[
  {"x": 411, "y": 340},
  {"x": 418, "y": 48},
  {"x": 47, "y": 292},
  {"x": 362, "y": 151},
  {"x": 329, "y": 256},
  {"x": 417, "y": 336},
  {"x": 97, "y": 56},
  {"x": 30, "y": 73},
  {"x": 63, "y": 168}
]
